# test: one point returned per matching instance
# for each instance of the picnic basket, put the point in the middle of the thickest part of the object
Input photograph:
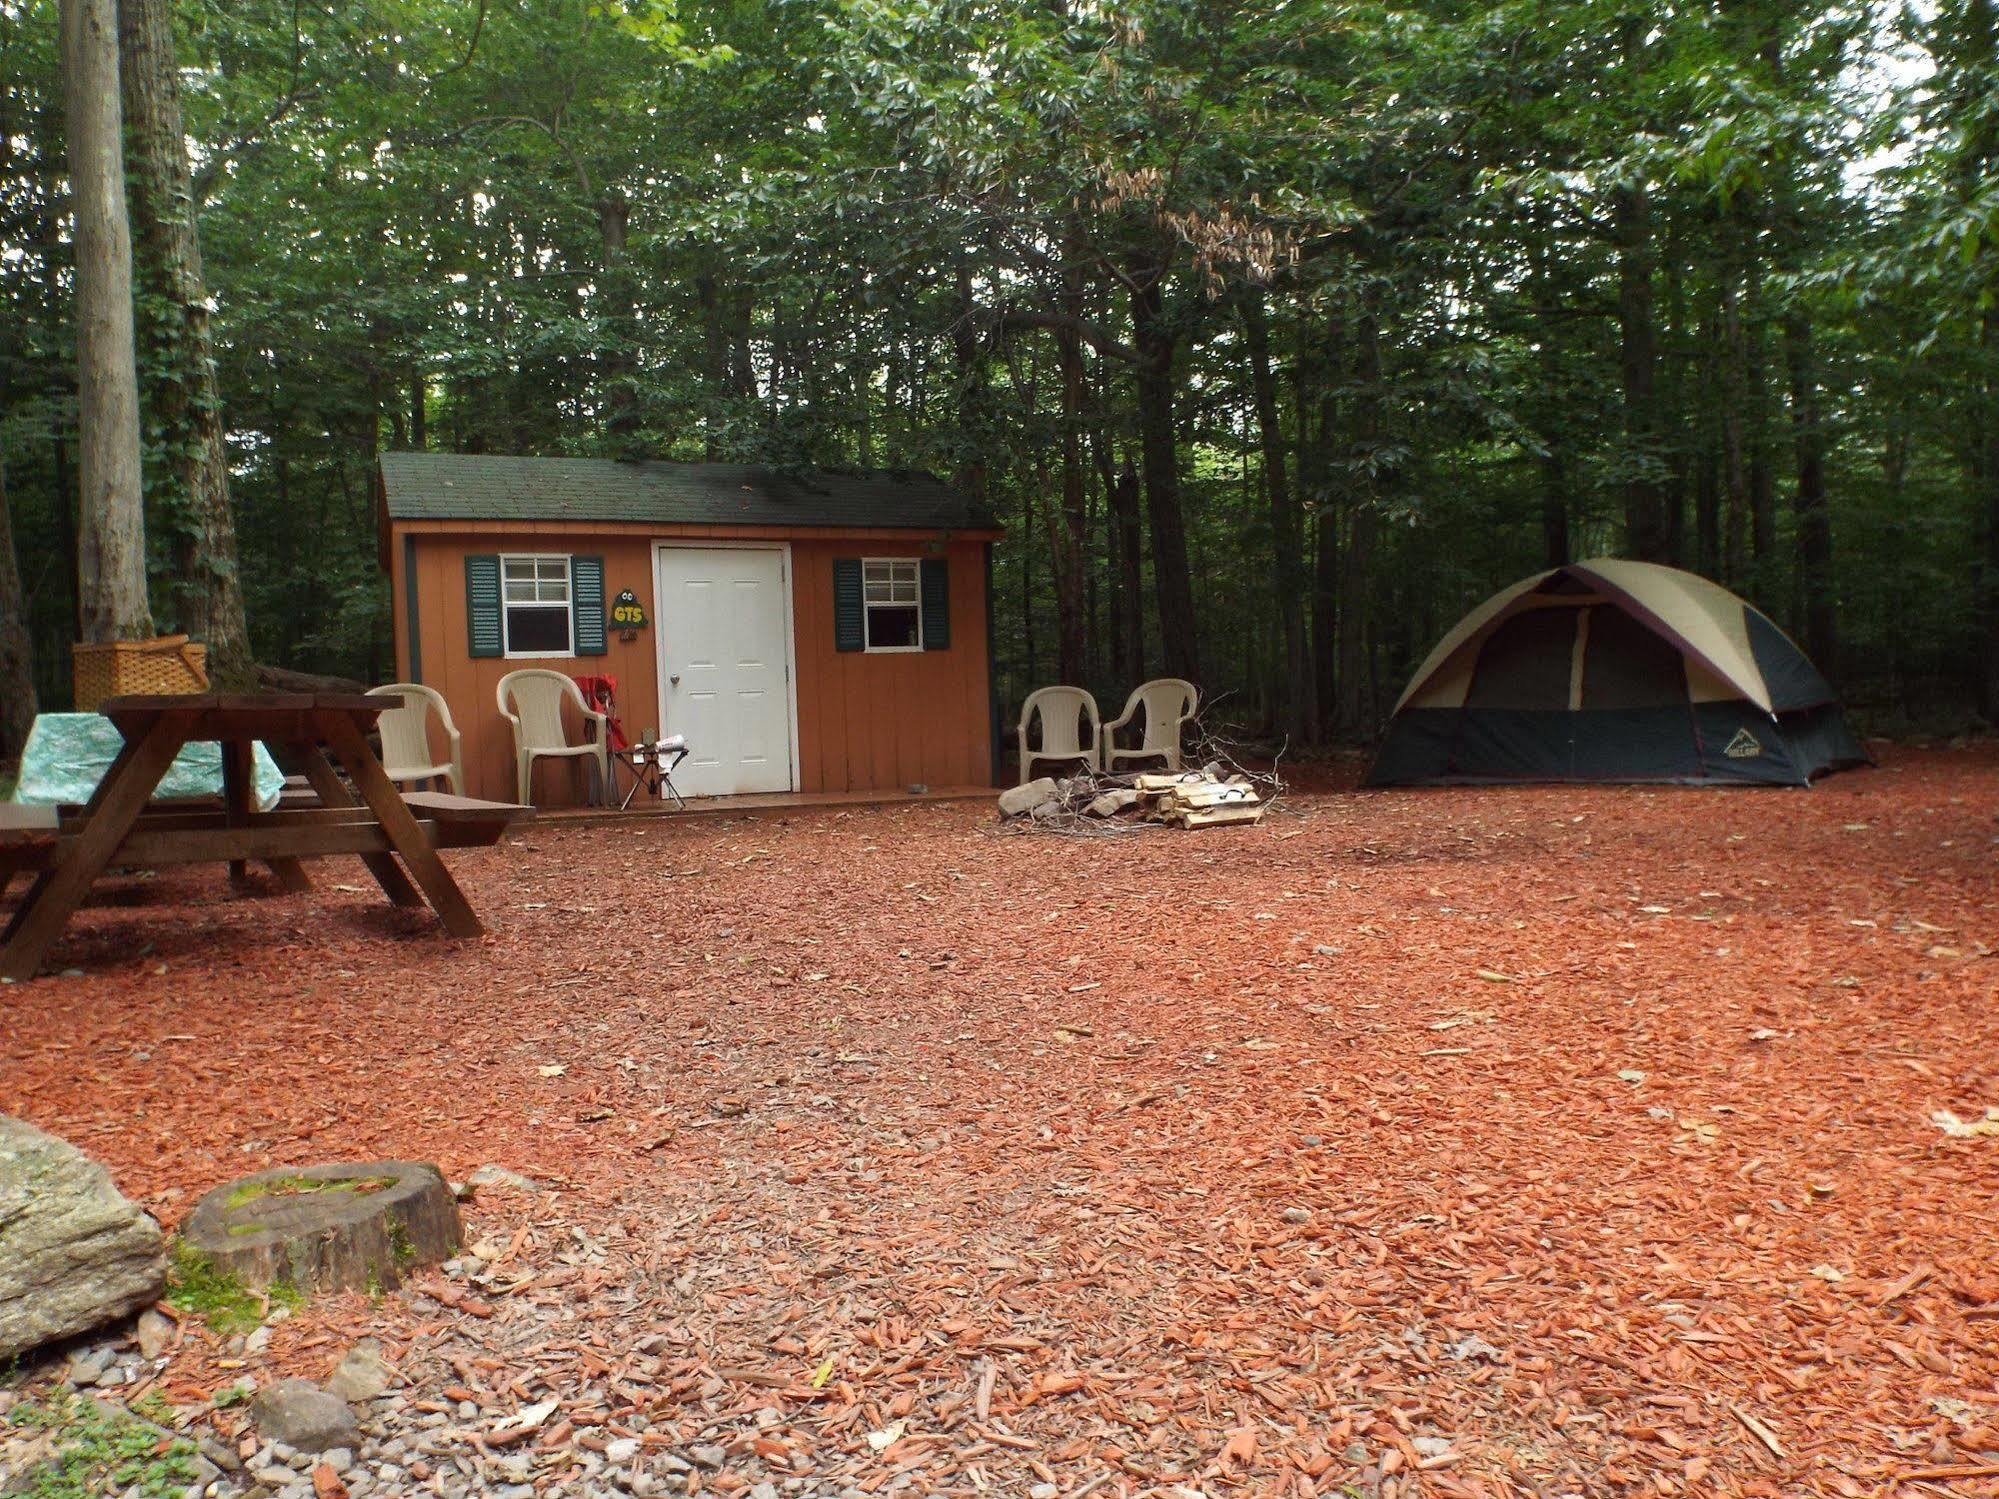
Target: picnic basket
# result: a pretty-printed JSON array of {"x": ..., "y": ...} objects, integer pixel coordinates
[{"x": 172, "y": 664}]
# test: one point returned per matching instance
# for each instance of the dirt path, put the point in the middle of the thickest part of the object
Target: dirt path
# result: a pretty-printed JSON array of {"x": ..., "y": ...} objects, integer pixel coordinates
[{"x": 1527, "y": 1141}]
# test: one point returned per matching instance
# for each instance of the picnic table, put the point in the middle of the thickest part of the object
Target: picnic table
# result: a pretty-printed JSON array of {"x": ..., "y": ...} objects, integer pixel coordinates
[{"x": 66, "y": 849}]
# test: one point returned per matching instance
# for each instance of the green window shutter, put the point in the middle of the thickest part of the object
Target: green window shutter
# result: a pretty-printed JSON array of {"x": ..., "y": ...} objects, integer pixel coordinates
[
  {"x": 482, "y": 605},
  {"x": 848, "y": 633},
  {"x": 935, "y": 573},
  {"x": 586, "y": 584}
]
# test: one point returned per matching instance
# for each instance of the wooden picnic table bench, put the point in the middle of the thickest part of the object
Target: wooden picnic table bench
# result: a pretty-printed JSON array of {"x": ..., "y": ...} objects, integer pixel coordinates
[{"x": 67, "y": 848}]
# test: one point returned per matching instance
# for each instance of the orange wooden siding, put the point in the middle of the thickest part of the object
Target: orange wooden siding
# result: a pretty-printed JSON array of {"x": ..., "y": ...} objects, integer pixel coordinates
[{"x": 866, "y": 722}]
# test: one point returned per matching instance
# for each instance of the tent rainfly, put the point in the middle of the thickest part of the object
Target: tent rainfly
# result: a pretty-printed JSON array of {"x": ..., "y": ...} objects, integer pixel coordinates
[{"x": 1610, "y": 670}]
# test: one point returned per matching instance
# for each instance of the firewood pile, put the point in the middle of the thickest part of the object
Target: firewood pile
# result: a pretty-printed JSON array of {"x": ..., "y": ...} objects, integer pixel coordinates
[{"x": 1216, "y": 795}]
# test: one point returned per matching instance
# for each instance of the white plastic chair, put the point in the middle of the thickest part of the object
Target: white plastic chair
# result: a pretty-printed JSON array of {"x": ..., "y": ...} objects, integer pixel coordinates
[
  {"x": 405, "y": 729},
  {"x": 1169, "y": 705},
  {"x": 1062, "y": 711},
  {"x": 531, "y": 701}
]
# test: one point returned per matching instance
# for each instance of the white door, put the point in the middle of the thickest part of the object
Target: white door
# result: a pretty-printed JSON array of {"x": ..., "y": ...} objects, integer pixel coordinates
[{"x": 724, "y": 649}]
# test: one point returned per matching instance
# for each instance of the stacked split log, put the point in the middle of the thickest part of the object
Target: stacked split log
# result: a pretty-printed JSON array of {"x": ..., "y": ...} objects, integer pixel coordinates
[{"x": 1199, "y": 799}]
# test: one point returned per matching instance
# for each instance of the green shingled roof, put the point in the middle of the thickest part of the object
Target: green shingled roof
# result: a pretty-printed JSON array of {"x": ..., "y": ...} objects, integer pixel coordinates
[{"x": 451, "y": 486}]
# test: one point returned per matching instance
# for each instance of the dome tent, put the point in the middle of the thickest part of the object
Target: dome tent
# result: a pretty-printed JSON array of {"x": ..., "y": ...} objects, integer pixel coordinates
[{"x": 1609, "y": 670}]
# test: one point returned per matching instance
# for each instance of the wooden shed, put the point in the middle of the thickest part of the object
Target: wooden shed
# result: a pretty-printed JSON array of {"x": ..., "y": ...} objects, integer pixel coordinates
[{"x": 820, "y": 631}]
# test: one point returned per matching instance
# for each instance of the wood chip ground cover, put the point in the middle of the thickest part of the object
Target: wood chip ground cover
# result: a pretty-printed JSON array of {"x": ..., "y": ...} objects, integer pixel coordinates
[{"x": 1524, "y": 1141}]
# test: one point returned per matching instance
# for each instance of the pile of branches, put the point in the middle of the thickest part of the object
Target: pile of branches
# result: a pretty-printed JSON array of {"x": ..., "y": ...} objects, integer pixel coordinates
[{"x": 1089, "y": 804}]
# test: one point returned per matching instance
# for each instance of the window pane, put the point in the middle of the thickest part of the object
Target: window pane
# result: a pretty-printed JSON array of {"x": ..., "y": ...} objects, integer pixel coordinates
[
  {"x": 537, "y": 628},
  {"x": 891, "y": 626},
  {"x": 519, "y": 592},
  {"x": 876, "y": 572},
  {"x": 878, "y": 593},
  {"x": 519, "y": 567}
]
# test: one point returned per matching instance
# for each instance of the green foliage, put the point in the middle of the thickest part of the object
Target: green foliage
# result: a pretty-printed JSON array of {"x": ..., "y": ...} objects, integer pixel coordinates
[
  {"x": 863, "y": 232},
  {"x": 100, "y": 1450}
]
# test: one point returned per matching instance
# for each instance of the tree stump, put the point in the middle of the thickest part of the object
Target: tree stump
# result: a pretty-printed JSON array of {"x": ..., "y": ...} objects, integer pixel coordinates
[{"x": 328, "y": 1227}]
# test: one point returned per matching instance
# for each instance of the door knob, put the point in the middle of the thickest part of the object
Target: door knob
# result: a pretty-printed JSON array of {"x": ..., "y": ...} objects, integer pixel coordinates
[{"x": 675, "y": 679}]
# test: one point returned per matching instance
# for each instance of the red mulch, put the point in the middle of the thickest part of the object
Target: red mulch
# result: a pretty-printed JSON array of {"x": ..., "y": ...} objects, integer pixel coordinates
[{"x": 1524, "y": 1141}]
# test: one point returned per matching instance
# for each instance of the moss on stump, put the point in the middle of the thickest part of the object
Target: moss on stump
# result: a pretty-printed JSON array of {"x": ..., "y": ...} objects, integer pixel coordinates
[{"x": 336, "y": 1227}]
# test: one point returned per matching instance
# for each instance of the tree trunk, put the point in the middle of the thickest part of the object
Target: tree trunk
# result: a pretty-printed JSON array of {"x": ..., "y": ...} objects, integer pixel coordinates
[
  {"x": 1762, "y": 478},
  {"x": 1356, "y": 718},
  {"x": 1976, "y": 50},
  {"x": 965, "y": 344},
  {"x": 1814, "y": 522},
  {"x": 419, "y": 418},
  {"x": 620, "y": 356},
  {"x": 1553, "y": 458},
  {"x": 1311, "y": 378},
  {"x": 1645, "y": 523},
  {"x": 1065, "y": 524},
  {"x": 1734, "y": 410},
  {"x": 111, "y": 540},
  {"x": 1298, "y": 715},
  {"x": 17, "y": 662},
  {"x": 185, "y": 406},
  {"x": 1127, "y": 528},
  {"x": 1172, "y": 579},
  {"x": 1987, "y": 477}
]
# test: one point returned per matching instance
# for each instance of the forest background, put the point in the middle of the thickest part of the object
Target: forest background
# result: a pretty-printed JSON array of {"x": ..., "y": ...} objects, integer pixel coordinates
[{"x": 1276, "y": 334}]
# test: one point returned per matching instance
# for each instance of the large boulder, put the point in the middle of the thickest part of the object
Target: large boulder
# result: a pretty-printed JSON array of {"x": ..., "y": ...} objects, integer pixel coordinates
[{"x": 74, "y": 1253}]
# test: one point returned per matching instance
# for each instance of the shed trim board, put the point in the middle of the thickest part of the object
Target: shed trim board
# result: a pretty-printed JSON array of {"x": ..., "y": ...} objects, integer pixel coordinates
[{"x": 660, "y": 616}]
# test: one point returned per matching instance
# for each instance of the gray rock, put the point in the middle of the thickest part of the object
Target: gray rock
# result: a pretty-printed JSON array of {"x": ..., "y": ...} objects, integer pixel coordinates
[
  {"x": 74, "y": 1253},
  {"x": 621, "y": 1449},
  {"x": 156, "y": 1333},
  {"x": 301, "y": 1415},
  {"x": 361, "y": 1374},
  {"x": 1112, "y": 802},
  {"x": 1017, "y": 801},
  {"x": 709, "y": 1456},
  {"x": 221, "y": 1454},
  {"x": 87, "y": 1366}
]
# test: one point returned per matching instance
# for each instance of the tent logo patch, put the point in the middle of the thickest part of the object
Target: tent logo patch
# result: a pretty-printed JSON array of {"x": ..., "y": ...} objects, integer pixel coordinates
[{"x": 1744, "y": 746}]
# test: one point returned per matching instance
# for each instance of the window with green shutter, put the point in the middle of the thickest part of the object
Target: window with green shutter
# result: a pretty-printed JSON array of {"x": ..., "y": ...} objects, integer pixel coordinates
[
  {"x": 847, "y": 623},
  {"x": 587, "y": 579},
  {"x": 482, "y": 606},
  {"x": 936, "y": 591}
]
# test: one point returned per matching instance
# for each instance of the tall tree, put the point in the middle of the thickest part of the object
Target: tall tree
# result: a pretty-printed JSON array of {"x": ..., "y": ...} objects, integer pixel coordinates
[
  {"x": 192, "y": 477},
  {"x": 111, "y": 532},
  {"x": 1298, "y": 708},
  {"x": 17, "y": 665},
  {"x": 1159, "y": 463}
]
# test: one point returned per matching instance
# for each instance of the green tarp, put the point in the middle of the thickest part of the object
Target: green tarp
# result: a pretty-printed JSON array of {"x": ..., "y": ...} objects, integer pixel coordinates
[{"x": 67, "y": 754}]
